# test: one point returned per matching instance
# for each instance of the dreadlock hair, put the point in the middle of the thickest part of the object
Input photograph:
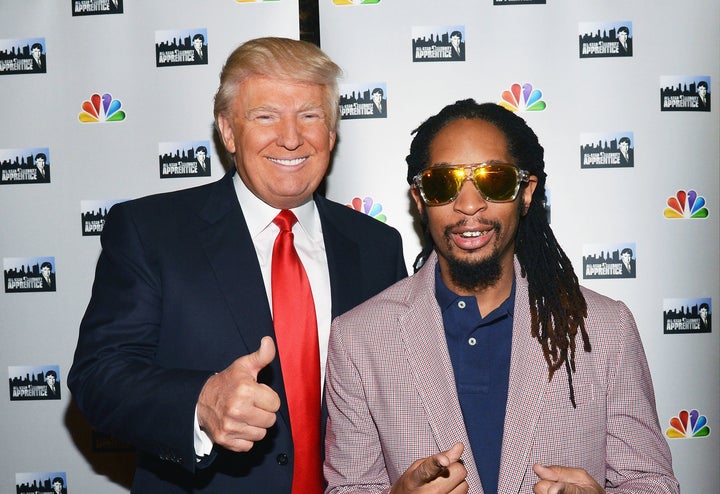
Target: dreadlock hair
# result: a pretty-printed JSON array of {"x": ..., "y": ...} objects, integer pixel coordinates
[{"x": 557, "y": 306}]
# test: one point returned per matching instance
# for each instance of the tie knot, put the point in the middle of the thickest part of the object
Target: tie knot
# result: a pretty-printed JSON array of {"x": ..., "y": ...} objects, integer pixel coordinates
[{"x": 285, "y": 220}]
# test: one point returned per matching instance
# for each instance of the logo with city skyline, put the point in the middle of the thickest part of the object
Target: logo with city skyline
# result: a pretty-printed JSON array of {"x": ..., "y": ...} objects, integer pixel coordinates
[
  {"x": 687, "y": 315},
  {"x": 438, "y": 43},
  {"x": 686, "y": 205},
  {"x": 100, "y": 109},
  {"x": 26, "y": 482},
  {"x": 606, "y": 261},
  {"x": 688, "y": 425},
  {"x": 96, "y": 7},
  {"x": 369, "y": 207},
  {"x": 685, "y": 93},
  {"x": 364, "y": 100},
  {"x": 179, "y": 47},
  {"x": 184, "y": 159},
  {"x": 93, "y": 214},
  {"x": 607, "y": 150},
  {"x": 605, "y": 39},
  {"x": 523, "y": 97},
  {"x": 35, "y": 382},
  {"x": 25, "y": 166},
  {"x": 29, "y": 274},
  {"x": 22, "y": 56}
]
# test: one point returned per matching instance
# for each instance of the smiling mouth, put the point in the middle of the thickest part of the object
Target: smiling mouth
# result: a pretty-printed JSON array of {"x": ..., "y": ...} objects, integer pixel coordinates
[
  {"x": 290, "y": 162},
  {"x": 474, "y": 234}
]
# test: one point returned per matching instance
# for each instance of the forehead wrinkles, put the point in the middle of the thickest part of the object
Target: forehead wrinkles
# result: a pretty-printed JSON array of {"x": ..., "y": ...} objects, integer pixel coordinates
[
  {"x": 281, "y": 104},
  {"x": 281, "y": 108}
]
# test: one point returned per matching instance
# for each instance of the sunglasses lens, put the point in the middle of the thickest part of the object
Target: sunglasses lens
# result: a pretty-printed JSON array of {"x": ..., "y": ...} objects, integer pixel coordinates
[
  {"x": 441, "y": 185},
  {"x": 497, "y": 182}
]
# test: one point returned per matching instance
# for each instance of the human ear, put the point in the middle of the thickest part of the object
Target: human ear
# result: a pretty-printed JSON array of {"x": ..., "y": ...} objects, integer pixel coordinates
[
  {"x": 226, "y": 132},
  {"x": 527, "y": 193}
]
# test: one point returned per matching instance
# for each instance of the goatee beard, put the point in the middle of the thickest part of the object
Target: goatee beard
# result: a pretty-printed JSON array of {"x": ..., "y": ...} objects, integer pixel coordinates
[{"x": 477, "y": 275}]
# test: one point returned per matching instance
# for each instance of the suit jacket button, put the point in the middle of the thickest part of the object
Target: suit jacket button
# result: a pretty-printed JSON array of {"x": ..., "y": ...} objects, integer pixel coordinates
[{"x": 282, "y": 459}]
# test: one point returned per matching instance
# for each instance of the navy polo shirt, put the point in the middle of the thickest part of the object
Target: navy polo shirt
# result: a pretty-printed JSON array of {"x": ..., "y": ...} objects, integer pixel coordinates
[{"x": 480, "y": 353}]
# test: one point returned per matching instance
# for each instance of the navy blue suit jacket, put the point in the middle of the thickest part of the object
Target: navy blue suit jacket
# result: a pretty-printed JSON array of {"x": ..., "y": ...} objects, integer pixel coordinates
[{"x": 178, "y": 295}]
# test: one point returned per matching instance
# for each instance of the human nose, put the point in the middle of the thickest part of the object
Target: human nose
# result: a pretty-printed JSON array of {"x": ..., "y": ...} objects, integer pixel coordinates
[
  {"x": 469, "y": 201},
  {"x": 289, "y": 134}
]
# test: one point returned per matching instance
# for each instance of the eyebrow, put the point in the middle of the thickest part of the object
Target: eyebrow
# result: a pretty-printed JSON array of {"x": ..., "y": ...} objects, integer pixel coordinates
[{"x": 305, "y": 107}]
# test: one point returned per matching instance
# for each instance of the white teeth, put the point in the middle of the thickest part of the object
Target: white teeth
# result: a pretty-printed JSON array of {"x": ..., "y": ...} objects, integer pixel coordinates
[
  {"x": 292, "y": 162},
  {"x": 472, "y": 234}
]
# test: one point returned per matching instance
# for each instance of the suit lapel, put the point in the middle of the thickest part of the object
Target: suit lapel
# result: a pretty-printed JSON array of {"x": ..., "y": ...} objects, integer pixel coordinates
[
  {"x": 343, "y": 258},
  {"x": 421, "y": 330},
  {"x": 528, "y": 384},
  {"x": 231, "y": 253}
]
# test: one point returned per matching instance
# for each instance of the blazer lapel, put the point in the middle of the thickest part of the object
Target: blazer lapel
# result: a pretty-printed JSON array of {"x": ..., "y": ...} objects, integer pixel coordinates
[
  {"x": 423, "y": 335},
  {"x": 528, "y": 384},
  {"x": 231, "y": 253},
  {"x": 343, "y": 261}
]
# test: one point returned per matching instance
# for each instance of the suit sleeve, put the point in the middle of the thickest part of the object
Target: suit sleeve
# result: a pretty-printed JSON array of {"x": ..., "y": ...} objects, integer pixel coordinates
[
  {"x": 354, "y": 459},
  {"x": 638, "y": 457},
  {"x": 114, "y": 379}
]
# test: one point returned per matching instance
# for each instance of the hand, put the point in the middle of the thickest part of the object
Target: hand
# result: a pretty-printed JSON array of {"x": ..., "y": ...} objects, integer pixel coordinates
[
  {"x": 234, "y": 409},
  {"x": 442, "y": 473},
  {"x": 555, "y": 479}
]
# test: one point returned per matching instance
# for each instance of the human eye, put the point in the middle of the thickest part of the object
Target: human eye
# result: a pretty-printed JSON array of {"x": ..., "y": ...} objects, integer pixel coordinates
[
  {"x": 262, "y": 116},
  {"x": 311, "y": 115}
]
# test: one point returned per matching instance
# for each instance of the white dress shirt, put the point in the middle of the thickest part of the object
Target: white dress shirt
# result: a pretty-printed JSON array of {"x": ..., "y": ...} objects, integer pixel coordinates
[{"x": 310, "y": 247}]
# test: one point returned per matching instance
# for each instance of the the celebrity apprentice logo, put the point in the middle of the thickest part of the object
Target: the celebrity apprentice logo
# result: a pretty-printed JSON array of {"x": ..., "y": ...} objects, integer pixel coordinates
[
  {"x": 685, "y": 93},
  {"x": 438, "y": 43},
  {"x": 368, "y": 100},
  {"x": 22, "y": 56},
  {"x": 603, "y": 39},
  {"x": 603, "y": 261}
]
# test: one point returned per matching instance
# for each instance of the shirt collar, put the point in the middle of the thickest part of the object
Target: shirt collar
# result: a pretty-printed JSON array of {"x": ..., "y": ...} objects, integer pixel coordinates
[
  {"x": 446, "y": 297},
  {"x": 259, "y": 215}
]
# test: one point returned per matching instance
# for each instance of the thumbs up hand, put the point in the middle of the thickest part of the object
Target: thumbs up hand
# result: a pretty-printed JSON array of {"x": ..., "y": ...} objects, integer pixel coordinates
[{"x": 233, "y": 409}]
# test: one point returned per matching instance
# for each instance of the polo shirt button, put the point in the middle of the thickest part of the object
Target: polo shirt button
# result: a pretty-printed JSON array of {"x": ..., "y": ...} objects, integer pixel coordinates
[
  {"x": 472, "y": 341},
  {"x": 461, "y": 304},
  {"x": 282, "y": 459}
]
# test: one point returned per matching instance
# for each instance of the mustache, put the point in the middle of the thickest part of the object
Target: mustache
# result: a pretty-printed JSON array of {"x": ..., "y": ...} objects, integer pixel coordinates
[{"x": 495, "y": 225}]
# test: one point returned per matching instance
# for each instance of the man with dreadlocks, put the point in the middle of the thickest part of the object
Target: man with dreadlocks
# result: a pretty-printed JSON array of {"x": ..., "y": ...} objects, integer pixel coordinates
[{"x": 490, "y": 370}]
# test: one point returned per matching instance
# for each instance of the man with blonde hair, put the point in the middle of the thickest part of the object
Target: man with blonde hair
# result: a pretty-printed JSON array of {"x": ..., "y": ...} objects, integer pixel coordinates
[{"x": 190, "y": 350}]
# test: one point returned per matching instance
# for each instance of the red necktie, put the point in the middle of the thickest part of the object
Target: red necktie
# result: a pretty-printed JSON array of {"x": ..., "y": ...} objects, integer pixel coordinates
[{"x": 297, "y": 341}]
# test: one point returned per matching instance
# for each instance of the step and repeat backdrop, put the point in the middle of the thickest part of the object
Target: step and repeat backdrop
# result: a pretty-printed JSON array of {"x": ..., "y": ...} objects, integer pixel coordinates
[
  {"x": 619, "y": 94},
  {"x": 101, "y": 102},
  {"x": 104, "y": 101}
]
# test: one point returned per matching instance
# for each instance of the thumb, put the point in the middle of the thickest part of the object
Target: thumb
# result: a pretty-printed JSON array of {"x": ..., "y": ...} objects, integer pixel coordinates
[
  {"x": 256, "y": 361},
  {"x": 549, "y": 472},
  {"x": 437, "y": 465},
  {"x": 453, "y": 454}
]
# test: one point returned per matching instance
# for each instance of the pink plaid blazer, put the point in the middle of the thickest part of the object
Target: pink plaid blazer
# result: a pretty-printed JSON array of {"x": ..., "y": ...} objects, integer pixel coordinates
[{"x": 391, "y": 398}]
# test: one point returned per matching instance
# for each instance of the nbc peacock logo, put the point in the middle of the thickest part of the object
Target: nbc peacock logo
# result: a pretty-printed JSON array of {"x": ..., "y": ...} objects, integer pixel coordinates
[
  {"x": 100, "y": 109},
  {"x": 688, "y": 424},
  {"x": 523, "y": 98},
  {"x": 369, "y": 207},
  {"x": 686, "y": 205}
]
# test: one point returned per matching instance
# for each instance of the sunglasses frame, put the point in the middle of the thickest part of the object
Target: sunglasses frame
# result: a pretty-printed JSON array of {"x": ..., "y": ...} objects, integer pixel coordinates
[{"x": 469, "y": 171}]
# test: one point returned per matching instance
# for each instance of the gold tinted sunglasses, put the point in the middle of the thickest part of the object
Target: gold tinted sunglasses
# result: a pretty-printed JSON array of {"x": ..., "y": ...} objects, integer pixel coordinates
[{"x": 496, "y": 182}]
